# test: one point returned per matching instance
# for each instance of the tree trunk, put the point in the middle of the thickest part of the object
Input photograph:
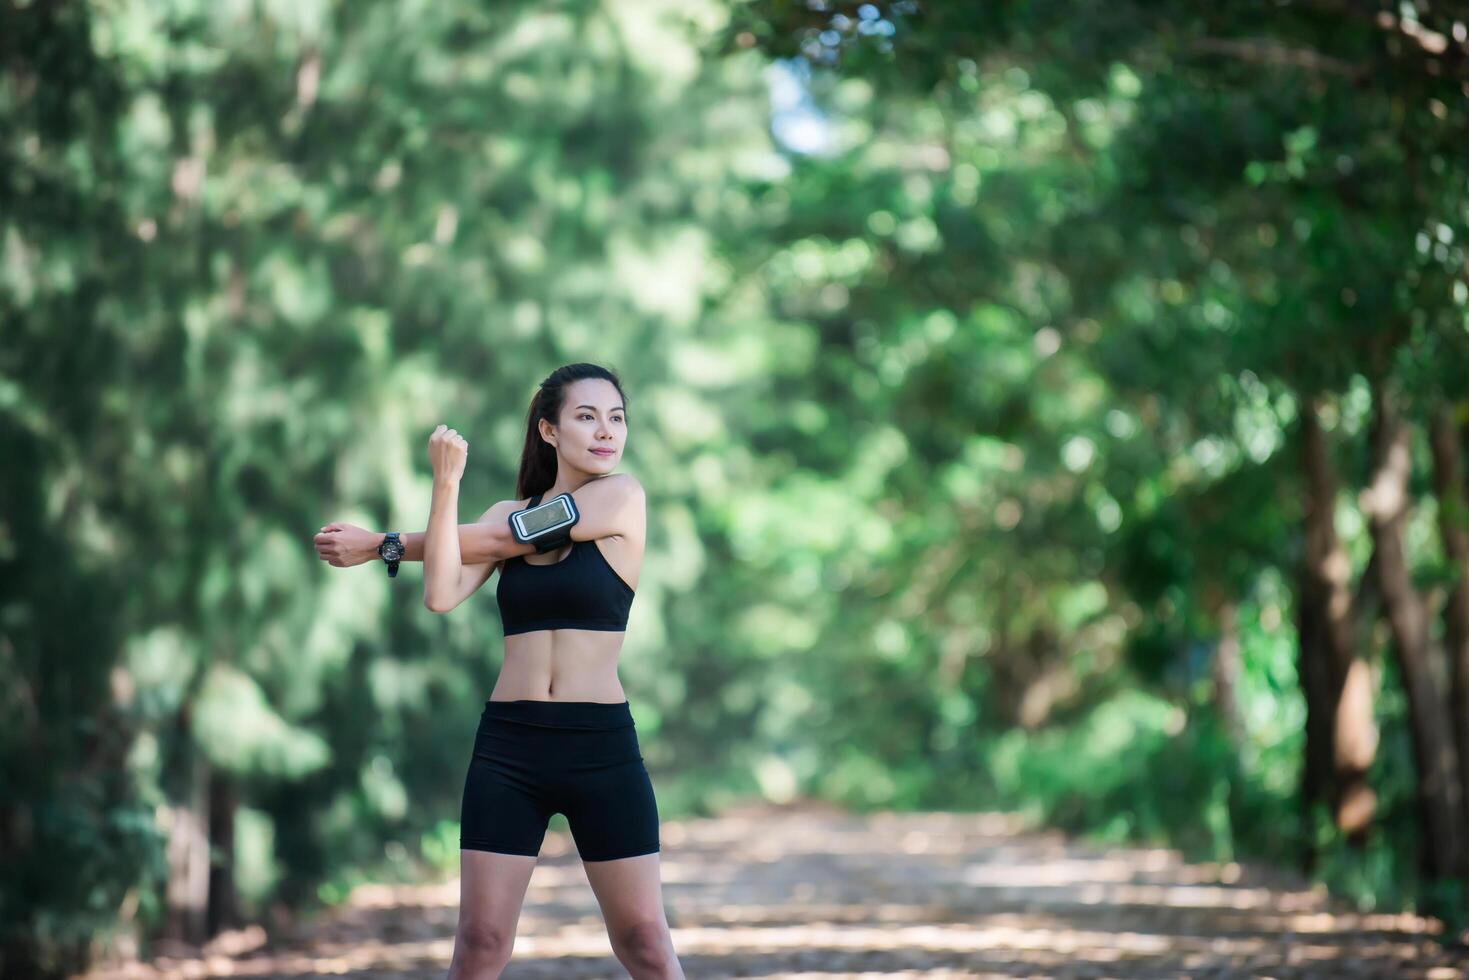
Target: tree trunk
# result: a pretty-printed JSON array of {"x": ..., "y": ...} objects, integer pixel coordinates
[
  {"x": 1313, "y": 667},
  {"x": 1453, "y": 523},
  {"x": 1385, "y": 502},
  {"x": 223, "y": 908},
  {"x": 1352, "y": 731},
  {"x": 1224, "y": 669},
  {"x": 187, "y": 894}
]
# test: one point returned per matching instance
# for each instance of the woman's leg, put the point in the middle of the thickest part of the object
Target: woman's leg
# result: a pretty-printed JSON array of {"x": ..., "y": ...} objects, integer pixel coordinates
[
  {"x": 614, "y": 821},
  {"x": 502, "y": 821},
  {"x": 604, "y": 790},
  {"x": 491, "y": 890},
  {"x": 630, "y": 892}
]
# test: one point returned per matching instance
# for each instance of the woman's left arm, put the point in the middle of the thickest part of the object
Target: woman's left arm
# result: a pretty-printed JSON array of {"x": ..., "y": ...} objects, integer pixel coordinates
[
  {"x": 488, "y": 539},
  {"x": 609, "y": 505}
]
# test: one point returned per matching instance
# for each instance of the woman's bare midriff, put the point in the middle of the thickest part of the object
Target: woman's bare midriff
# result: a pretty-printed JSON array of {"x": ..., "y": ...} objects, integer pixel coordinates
[
  {"x": 560, "y": 665},
  {"x": 568, "y": 665}
]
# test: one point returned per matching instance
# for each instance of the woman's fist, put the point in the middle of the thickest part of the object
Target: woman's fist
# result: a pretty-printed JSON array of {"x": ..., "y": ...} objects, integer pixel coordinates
[
  {"x": 345, "y": 545},
  {"x": 447, "y": 452}
]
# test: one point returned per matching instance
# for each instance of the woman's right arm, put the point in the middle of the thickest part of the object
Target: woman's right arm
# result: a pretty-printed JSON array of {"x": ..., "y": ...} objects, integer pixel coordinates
[
  {"x": 447, "y": 451},
  {"x": 472, "y": 575}
]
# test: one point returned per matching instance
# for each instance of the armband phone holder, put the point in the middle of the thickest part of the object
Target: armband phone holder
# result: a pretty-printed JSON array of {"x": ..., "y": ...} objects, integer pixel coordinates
[{"x": 546, "y": 525}]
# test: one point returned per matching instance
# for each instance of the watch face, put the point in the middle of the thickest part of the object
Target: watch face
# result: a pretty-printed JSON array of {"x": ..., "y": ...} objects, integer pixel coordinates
[{"x": 392, "y": 551}]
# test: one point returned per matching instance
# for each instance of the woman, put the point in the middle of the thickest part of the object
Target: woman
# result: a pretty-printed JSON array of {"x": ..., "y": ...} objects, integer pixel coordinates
[{"x": 557, "y": 733}]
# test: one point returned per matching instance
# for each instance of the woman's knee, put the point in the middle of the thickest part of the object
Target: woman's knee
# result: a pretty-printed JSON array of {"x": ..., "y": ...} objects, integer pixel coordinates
[
  {"x": 646, "y": 944},
  {"x": 481, "y": 946}
]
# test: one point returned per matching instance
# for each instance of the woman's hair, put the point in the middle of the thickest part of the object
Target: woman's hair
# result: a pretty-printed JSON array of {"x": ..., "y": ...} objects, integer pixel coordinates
[{"x": 538, "y": 458}]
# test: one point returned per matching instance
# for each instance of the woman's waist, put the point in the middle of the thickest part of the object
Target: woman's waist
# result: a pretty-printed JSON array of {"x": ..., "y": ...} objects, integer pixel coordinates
[
  {"x": 565, "y": 645},
  {"x": 584, "y": 715}
]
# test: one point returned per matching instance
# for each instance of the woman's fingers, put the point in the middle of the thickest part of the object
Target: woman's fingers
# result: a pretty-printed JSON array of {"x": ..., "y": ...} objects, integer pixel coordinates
[
  {"x": 328, "y": 544},
  {"x": 447, "y": 450}
]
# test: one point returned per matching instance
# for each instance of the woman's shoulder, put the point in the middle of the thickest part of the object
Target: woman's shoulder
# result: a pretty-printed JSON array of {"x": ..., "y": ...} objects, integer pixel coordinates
[{"x": 622, "y": 482}]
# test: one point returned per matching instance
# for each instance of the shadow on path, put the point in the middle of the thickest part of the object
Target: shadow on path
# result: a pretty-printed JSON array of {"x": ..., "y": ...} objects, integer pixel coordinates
[{"x": 816, "y": 893}]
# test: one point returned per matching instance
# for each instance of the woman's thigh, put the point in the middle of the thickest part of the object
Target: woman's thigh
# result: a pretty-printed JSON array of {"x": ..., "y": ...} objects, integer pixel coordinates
[
  {"x": 612, "y": 812},
  {"x": 492, "y": 889},
  {"x": 629, "y": 891},
  {"x": 505, "y": 807}
]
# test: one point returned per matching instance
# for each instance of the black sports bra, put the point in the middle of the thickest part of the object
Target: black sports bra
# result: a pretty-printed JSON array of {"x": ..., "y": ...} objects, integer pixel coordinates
[{"x": 579, "y": 592}]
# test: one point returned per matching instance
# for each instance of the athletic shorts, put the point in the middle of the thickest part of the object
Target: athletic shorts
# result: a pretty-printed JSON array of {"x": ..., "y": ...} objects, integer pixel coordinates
[{"x": 578, "y": 758}]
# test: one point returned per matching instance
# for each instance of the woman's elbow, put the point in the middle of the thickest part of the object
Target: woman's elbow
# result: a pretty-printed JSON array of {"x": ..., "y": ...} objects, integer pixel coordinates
[{"x": 439, "y": 594}]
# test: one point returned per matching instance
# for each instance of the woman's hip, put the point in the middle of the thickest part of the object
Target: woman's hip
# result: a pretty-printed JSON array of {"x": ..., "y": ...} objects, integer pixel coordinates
[
  {"x": 566, "y": 715},
  {"x": 551, "y": 737}
]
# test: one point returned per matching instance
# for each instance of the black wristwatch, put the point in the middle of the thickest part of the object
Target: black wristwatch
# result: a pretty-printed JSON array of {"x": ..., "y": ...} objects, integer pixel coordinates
[{"x": 391, "y": 551}]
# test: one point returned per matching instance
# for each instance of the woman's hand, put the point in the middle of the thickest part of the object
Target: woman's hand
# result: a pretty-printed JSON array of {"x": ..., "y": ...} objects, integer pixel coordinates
[
  {"x": 447, "y": 452},
  {"x": 345, "y": 545}
]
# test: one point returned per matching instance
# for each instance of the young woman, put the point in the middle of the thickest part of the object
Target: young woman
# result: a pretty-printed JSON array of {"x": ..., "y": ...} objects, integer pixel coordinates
[{"x": 557, "y": 733}]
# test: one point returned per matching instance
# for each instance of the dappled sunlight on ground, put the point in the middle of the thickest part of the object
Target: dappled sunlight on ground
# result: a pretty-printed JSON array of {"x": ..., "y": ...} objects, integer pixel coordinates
[{"x": 813, "y": 893}]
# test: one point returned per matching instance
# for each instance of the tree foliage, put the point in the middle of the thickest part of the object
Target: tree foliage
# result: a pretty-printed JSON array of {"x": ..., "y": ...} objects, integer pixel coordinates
[{"x": 977, "y": 427}]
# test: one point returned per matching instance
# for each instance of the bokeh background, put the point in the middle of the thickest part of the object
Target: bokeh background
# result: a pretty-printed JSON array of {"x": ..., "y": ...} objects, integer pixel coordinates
[{"x": 1053, "y": 407}]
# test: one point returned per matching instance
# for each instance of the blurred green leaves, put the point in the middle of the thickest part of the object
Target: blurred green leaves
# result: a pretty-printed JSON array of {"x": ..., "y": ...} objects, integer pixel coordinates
[
  {"x": 948, "y": 428},
  {"x": 239, "y": 731}
]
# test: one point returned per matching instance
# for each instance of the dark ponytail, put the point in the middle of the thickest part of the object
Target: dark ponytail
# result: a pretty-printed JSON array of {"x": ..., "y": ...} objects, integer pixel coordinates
[{"x": 538, "y": 458}]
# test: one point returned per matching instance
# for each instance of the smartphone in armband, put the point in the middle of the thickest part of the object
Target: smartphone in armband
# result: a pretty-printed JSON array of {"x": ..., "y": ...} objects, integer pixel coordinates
[{"x": 546, "y": 525}]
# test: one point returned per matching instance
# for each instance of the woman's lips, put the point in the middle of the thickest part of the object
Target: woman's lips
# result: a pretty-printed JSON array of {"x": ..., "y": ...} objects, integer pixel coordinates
[{"x": 604, "y": 452}]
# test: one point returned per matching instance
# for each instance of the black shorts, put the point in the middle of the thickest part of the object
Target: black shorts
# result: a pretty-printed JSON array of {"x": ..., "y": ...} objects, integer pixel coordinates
[{"x": 578, "y": 758}]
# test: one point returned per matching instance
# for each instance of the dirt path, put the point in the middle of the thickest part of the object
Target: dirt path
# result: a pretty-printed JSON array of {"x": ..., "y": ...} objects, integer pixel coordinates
[{"x": 815, "y": 894}]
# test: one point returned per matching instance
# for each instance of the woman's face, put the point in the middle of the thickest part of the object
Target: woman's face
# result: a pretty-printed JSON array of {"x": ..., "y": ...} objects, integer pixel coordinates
[{"x": 593, "y": 427}]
